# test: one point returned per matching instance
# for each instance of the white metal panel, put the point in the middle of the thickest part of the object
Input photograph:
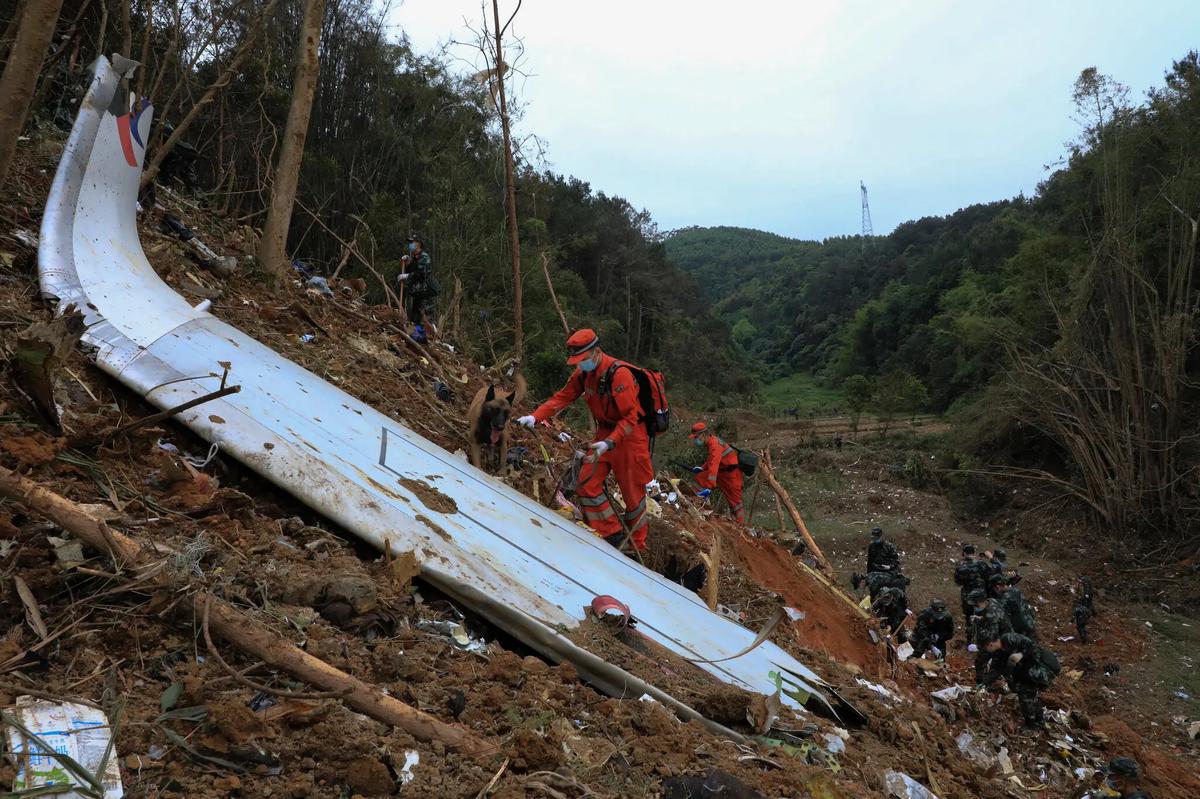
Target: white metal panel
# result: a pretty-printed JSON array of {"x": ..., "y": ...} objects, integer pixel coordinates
[{"x": 336, "y": 454}]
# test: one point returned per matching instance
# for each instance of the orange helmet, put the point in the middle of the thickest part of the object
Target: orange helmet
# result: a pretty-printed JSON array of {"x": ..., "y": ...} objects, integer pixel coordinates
[
  {"x": 698, "y": 429},
  {"x": 580, "y": 343}
]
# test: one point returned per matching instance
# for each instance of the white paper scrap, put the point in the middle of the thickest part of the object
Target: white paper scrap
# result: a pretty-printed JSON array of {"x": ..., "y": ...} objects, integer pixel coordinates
[{"x": 77, "y": 731}]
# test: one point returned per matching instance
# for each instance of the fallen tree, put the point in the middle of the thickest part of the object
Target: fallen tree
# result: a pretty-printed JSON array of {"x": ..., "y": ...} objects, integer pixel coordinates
[{"x": 235, "y": 627}]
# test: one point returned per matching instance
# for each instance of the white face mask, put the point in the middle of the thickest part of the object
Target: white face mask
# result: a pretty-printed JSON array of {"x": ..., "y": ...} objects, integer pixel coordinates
[{"x": 588, "y": 364}]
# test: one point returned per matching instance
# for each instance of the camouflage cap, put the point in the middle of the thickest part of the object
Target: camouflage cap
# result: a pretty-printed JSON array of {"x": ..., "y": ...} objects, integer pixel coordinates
[
  {"x": 876, "y": 532},
  {"x": 968, "y": 549},
  {"x": 938, "y": 604},
  {"x": 999, "y": 554},
  {"x": 977, "y": 595},
  {"x": 1123, "y": 767},
  {"x": 997, "y": 579}
]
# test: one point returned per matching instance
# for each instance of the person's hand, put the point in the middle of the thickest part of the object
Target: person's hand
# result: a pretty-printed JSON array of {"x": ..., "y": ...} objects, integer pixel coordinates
[
  {"x": 599, "y": 448},
  {"x": 403, "y": 276},
  {"x": 1015, "y": 658},
  {"x": 697, "y": 469},
  {"x": 972, "y": 648},
  {"x": 704, "y": 492},
  {"x": 527, "y": 421},
  {"x": 405, "y": 259}
]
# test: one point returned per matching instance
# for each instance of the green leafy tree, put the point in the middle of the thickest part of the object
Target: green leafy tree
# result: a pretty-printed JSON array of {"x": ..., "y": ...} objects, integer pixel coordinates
[{"x": 859, "y": 391}]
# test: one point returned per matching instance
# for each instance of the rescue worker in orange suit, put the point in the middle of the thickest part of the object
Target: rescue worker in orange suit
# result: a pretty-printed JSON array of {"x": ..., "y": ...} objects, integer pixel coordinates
[
  {"x": 622, "y": 443},
  {"x": 720, "y": 469}
]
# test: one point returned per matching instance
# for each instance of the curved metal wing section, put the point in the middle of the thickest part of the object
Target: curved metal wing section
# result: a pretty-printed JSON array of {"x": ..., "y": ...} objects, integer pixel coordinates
[{"x": 347, "y": 461}]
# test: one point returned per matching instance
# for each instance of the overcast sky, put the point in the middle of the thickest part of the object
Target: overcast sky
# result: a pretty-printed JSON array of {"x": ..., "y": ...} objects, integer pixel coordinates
[{"x": 766, "y": 114}]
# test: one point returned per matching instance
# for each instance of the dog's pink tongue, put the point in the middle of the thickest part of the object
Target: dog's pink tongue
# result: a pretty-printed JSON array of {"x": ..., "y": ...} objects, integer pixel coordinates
[{"x": 495, "y": 436}]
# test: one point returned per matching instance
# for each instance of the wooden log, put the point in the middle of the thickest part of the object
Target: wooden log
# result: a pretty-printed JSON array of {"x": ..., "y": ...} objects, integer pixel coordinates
[{"x": 236, "y": 627}]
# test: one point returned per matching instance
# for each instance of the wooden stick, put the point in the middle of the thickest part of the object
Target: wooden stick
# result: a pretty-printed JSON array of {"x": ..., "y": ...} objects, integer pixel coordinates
[
  {"x": 783, "y": 497},
  {"x": 87, "y": 441},
  {"x": 349, "y": 248},
  {"x": 778, "y": 504},
  {"x": 713, "y": 565},
  {"x": 239, "y": 629},
  {"x": 754, "y": 498}
]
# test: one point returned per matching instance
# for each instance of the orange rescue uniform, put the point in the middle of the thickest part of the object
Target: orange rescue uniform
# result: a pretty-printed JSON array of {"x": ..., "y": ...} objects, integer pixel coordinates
[
  {"x": 721, "y": 471},
  {"x": 618, "y": 416}
]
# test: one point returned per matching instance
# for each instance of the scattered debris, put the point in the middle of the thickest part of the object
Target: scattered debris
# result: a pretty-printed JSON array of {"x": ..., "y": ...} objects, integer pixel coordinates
[
  {"x": 39, "y": 353},
  {"x": 457, "y": 633},
  {"x": 62, "y": 743},
  {"x": 902, "y": 786},
  {"x": 411, "y": 759}
]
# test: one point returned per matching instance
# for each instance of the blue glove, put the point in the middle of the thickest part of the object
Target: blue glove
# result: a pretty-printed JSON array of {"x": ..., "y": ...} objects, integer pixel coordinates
[
  {"x": 704, "y": 492},
  {"x": 697, "y": 469}
]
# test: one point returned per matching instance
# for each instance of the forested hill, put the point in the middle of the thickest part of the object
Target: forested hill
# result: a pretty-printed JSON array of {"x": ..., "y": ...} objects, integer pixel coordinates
[
  {"x": 951, "y": 300},
  {"x": 790, "y": 302}
]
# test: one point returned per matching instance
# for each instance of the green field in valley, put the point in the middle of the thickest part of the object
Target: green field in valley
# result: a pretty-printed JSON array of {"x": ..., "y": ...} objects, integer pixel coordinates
[{"x": 802, "y": 391}]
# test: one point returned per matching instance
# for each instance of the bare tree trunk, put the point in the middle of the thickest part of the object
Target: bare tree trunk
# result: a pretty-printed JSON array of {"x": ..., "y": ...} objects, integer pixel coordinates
[
  {"x": 272, "y": 253},
  {"x": 554, "y": 296},
  {"x": 510, "y": 191},
  {"x": 10, "y": 29},
  {"x": 19, "y": 79},
  {"x": 628, "y": 316},
  {"x": 126, "y": 28},
  {"x": 221, "y": 82},
  {"x": 637, "y": 340},
  {"x": 147, "y": 35}
]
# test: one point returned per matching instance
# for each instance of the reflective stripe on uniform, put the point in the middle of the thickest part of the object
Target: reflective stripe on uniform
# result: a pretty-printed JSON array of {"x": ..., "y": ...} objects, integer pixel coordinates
[
  {"x": 594, "y": 514},
  {"x": 599, "y": 499},
  {"x": 636, "y": 518}
]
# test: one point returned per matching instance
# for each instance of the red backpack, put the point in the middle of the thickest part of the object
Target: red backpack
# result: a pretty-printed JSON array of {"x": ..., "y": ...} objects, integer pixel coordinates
[{"x": 652, "y": 396}]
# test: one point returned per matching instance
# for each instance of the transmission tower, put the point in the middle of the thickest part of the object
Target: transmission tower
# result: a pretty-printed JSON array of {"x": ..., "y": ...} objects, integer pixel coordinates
[{"x": 867, "y": 230}]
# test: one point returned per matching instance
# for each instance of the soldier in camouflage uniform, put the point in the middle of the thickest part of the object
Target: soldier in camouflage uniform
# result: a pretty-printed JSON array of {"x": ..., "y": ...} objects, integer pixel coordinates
[
  {"x": 891, "y": 607},
  {"x": 882, "y": 555},
  {"x": 935, "y": 626},
  {"x": 969, "y": 574},
  {"x": 422, "y": 288},
  {"x": 877, "y": 581},
  {"x": 1083, "y": 609},
  {"x": 1124, "y": 777},
  {"x": 991, "y": 622},
  {"x": 1027, "y": 667},
  {"x": 1020, "y": 615},
  {"x": 997, "y": 560}
]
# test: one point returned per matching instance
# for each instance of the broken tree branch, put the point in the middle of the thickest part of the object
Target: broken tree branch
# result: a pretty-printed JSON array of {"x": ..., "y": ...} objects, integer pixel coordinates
[
  {"x": 796, "y": 518},
  {"x": 96, "y": 439},
  {"x": 389, "y": 295},
  {"x": 239, "y": 629}
]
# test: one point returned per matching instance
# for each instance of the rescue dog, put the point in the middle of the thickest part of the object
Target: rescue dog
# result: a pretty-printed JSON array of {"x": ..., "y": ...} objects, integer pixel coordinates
[{"x": 488, "y": 419}]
